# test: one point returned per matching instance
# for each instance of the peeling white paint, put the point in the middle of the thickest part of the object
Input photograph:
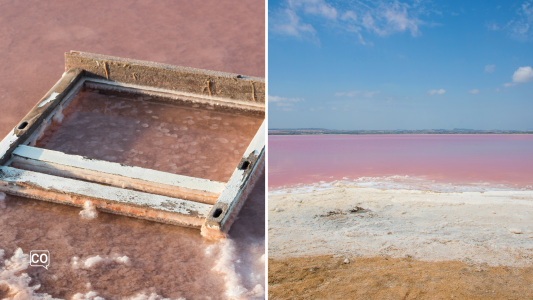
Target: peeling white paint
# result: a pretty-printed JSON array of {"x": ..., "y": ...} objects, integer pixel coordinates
[
  {"x": 12, "y": 176},
  {"x": 39, "y": 133},
  {"x": 235, "y": 184},
  {"x": 7, "y": 142},
  {"x": 56, "y": 157},
  {"x": 49, "y": 99}
]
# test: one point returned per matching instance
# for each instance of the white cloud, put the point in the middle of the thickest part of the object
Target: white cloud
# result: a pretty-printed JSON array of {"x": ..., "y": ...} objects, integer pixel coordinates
[
  {"x": 398, "y": 19},
  {"x": 509, "y": 84},
  {"x": 284, "y": 103},
  {"x": 523, "y": 74},
  {"x": 367, "y": 94},
  {"x": 473, "y": 91},
  {"x": 370, "y": 94},
  {"x": 349, "y": 15},
  {"x": 520, "y": 27},
  {"x": 379, "y": 17},
  {"x": 489, "y": 68},
  {"x": 433, "y": 92},
  {"x": 283, "y": 99},
  {"x": 348, "y": 94},
  {"x": 316, "y": 7},
  {"x": 288, "y": 23},
  {"x": 493, "y": 26},
  {"x": 389, "y": 18}
]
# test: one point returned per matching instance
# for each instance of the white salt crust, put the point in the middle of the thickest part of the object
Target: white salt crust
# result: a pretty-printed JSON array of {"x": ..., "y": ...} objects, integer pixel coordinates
[
  {"x": 492, "y": 227},
  {"x": 97, "y": 260},
  {"x": 17, "y": 282},
  {"x": 230, "y": 265},
  {"x": 89, "y": 211}
]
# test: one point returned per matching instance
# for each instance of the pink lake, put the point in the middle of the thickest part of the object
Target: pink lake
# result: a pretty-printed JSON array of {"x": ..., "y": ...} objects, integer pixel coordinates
[{"x": 491, "y": 161}]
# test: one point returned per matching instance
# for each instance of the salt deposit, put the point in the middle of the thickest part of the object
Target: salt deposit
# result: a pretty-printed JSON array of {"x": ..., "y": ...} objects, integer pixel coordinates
[
  {"x": 118, "y": 257},
  {"x": 96, "y": 260},
  {"x": 350, "y": 220},
  {"x": 14, "y": 281},
  {"x": 232, "y": 267},
  {"x": 89, "y": 211},
  {"x": 88, "y": 296},
  {"x": 152, "y": 296}
]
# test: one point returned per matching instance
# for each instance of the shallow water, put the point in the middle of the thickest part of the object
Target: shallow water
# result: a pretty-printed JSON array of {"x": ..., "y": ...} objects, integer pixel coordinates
[
  {"x": 136, "y": 132},
  {"x": 170, "y": 261},
  {"x": 435, "y": 162},
  {"x": 224, "y": 36}
]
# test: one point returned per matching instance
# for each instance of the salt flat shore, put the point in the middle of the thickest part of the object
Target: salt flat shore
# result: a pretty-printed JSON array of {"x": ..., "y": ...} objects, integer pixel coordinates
[{"x": 493, "y": 228}]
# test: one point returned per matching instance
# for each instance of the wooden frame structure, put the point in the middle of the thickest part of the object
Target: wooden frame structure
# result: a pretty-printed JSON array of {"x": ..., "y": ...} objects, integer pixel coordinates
[{"x": 133, "y": 191}]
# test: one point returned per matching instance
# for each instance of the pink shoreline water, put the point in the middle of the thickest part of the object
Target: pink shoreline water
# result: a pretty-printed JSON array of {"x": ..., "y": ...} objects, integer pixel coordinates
[{"x": 456, "y": 159}]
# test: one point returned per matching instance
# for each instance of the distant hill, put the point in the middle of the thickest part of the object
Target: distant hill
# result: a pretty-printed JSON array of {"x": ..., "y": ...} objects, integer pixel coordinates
[{"x": 317, "y": 131}]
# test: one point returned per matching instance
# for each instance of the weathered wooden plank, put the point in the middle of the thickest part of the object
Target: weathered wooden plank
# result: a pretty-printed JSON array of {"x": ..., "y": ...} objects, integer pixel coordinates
[
  {"x": 203, "y": 82},
  {"x": 175, "y": 96},
  {"x": 242, "y": 180},
  {"x": 6, "y": 145},
  {"x": 110, "y": 199},
  {"x": 115, "y": 174}
]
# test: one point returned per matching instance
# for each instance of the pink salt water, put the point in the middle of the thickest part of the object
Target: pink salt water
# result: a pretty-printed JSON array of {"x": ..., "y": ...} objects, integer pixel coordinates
[
  {"x": 138, "y": 132},
  {"x": 166, "y": 260},
  {"x": 125, "y": 258},
  {"x": 418, "y": 161}
]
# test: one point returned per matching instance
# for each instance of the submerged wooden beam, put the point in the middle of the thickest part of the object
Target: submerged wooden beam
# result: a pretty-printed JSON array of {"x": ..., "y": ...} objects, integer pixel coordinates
[
  {"x": 105, "y": 198},
  {"x": 115, "y": 174},
  {"x": 241, "y": 183}
]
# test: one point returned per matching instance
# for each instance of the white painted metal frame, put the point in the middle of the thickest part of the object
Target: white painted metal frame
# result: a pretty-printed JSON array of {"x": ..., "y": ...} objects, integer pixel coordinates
[
  {"x": 128, "y": 190},
  {"x": 115, "y": 174}
]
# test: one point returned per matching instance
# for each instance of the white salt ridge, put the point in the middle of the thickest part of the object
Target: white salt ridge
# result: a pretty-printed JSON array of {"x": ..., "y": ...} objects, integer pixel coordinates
[
  {"x": 17, "y": 283},
  {"x": 400, "y": 182},
  {"x": 491, "y": 227},
  {"x": 231, "y": 266},
  {"x": 88, "y": 296},
  {"x": 152, "y": 296},
  {"x": 89, "y": 211},
  {"x": 97, "y": 260}
]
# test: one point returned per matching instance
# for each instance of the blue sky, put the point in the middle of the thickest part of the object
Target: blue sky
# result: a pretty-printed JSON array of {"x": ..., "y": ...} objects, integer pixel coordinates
[{"x": 400, "y": 64}]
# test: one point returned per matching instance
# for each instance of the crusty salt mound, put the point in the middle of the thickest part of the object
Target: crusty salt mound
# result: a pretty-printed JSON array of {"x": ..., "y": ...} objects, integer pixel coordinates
[
  {"x": 89, "y": 211},
  {"x": 88, "y": 296},
  {"x": 97, "y": 260},
  {"x": 14, "y": 283},
  {"x": 231, "y": 266},
  {"x": 152, "y": 296}
]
